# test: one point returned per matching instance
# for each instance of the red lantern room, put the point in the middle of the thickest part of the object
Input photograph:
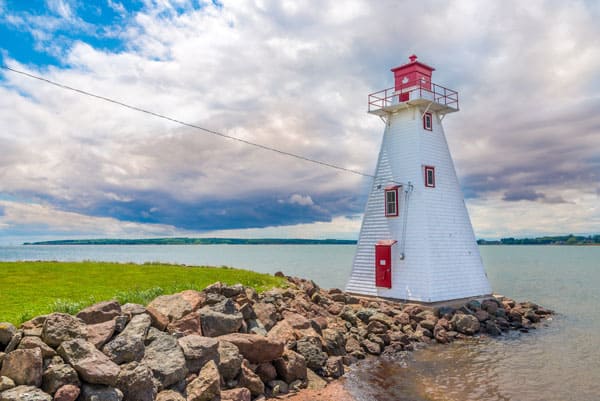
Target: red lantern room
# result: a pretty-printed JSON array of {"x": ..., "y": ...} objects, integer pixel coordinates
[{"x": 412, "y": 75}]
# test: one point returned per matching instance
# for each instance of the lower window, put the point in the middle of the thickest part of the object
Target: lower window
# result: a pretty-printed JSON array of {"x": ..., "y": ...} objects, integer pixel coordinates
[
  {"x": 391, "y": 201},
  {"x": 430, "y": 176}
]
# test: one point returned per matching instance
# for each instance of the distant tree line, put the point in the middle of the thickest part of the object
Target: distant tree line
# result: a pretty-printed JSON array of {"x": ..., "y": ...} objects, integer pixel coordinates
[
  {"x": 196, "y": 241},
  {"x": 547, "y": 240}
]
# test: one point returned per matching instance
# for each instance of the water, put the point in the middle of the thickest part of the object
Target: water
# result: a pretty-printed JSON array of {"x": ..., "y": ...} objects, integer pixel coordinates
[{"x": 558, "y": 362}]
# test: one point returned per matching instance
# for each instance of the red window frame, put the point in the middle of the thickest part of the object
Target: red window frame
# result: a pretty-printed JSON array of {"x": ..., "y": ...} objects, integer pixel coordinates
[
  {"x": 426, "y": 170},
  {"x": 393, "y": 189},
  {"x": 430, "y": 128}
]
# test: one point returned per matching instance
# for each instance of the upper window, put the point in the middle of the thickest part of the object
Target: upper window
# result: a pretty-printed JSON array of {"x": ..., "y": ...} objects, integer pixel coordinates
[
  {"x": 391, "y": 201},
  {"x": 430, "y": 176},
  {"x": 427, "y": 122}
]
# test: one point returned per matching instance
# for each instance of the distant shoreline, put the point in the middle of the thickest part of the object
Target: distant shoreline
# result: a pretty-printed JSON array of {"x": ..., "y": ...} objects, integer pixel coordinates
[{"x": 198, "y": 241}]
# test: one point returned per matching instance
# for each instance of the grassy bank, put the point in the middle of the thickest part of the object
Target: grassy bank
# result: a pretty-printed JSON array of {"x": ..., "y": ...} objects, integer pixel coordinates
[{"x": 28, "y": 289}]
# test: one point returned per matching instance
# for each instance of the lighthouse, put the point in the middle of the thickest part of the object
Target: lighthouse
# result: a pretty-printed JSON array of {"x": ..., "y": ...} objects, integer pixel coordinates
[{"x": 416, "y": 241}]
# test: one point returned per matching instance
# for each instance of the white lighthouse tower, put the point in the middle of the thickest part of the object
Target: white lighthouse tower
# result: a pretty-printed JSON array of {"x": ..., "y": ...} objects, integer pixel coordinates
[{"x": 416, "y": 240}]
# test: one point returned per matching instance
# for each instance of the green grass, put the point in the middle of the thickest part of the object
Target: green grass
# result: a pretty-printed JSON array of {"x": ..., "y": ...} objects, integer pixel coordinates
[{"x": 29, "y": 289}]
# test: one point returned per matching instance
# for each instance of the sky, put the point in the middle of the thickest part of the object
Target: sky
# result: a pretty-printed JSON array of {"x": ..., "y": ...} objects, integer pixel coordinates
[{"x": 295, "y": 76}]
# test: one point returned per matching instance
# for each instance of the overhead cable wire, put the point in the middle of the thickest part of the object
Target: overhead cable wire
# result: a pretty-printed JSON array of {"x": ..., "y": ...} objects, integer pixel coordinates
[{"x": 174, "y": 120}]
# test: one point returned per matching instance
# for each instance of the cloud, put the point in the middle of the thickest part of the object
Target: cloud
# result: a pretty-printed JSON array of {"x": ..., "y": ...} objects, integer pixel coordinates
[
  {"x": 296, "y": 78},
  {"x": 298, "y": 199}
]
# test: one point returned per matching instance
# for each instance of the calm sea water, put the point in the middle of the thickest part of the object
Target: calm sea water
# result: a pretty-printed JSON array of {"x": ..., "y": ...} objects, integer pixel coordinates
[{"x": 558, "y": 362}]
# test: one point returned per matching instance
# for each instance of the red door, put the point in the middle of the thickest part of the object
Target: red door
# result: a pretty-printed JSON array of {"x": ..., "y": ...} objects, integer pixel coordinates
[{"x": 383, "y": 264}]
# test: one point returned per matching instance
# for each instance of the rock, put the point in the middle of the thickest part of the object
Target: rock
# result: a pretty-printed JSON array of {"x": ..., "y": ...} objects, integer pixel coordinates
[
  {"x": 159, "y": 320},
  {"x": 490, "y": 306},
  {"x": 382, "y": 318},
  {"x": 251, "y": 381},
  {"x": 198, "y": 350},
  {"x": 135, "y": 381},
  {"x": 514, "y": 316},
  {"x": 128, "y": 346},
  {"x": 402, "y": 319},
  {"x": 7, "y": 331},
  {"x": 353, "y": 347},
  {"x": 24, "y": 367},
  {"x": 334, "y": 343},
  {"x": 164, "y": 356},
  {"x": 474, "y": 305},
  {"x": 100, "y": 312},
  {"x": 232, "y": 291},
  {"x": 247, "y": 311},
  {"x": 444, "y": 311},
  {"x": 57, "y": 376},
  {"x": 532, "y": 316},
  {"x": 283, "y": 331},
  {"x": 334, "y": 367},
  {"x": 465, "y": 324},
  {"x": 377, "y": 327},
  {"x": 60, "y": 327},
  {"x": 310, "y": 348},
  {"x": 6, "y": 383},
  {"x": 91, "y": 364},
  {"x": 120, "y": 323},
  {"x": 207, "y": 386},
  {"x": 428, "y": 324},
  {"x": 176, "y": 306},
  {"x": 371, "y": 347},
  {"x": 482, "y": 315},
  {"x": 24, "y": 393},
  {"x": 220, "y": 319},
  {"x": 291, "y": 366},
  {"x": 95, "y": 392},
  {"x": 440, "y": 334},
  {"x": 236, "y": 394},
  {"x": 99, "y": 334},
  {"x": 255, "y": 348},
  {"x": 492, "y": 329},
  {"x": 278, "y": 387},
  {"x": 266, "y": 314},
  {"x": 314, "y": 382},
  {"x": 36, "y": 342},
  {"x": 67, "y": 392},
  {"x": 297, "y": 321},
  {"x": 169, "y": 395},
  {"x": 189, "y": 324},
  {"x": 132, "y": 309},
  {"x": 230, "y": 360},
  {"x": 266, "y": 371},
  {"x": 349, "y": 316}
]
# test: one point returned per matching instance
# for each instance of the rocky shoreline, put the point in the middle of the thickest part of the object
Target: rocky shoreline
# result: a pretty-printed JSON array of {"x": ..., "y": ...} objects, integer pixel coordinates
[{"x": 229, "y": 343}]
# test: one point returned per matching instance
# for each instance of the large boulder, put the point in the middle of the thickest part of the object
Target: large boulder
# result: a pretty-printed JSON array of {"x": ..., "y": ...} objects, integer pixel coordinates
[
  {"x": 189, "y": 324},
  {"x": 98, "y": 334},
  {"x": 128, "y": 346},
  {"x": 310, "y": 348},
  {"x": 57, "y": 376},
  {"x": 100, "y": 312},
  {"x": 34, "y": 326},
  {"x": 230, "y": 360},
  {"x": 256, "y": 348},
  {"x": 198, "y": 350},
  {"x": 91, "y": 364},
  {"x": 164, "y": 356},
  {"x": 36, "y": 342},
  {"x": 266, "y": 313},
  {"x": 291, "y": 366},
  {"x": 95, "y": 392},
  {"x": 207, "y": 386},
  {"x": 251, "y": 381},
  {"x": 334, "y": 342},
  {"x": 220, "y": 319},
  {"x": 25, "y": 393},
  {"x": 24, "y": 367},
  {"x": 59, "y": 327},
  {"x": 176, "y": 306},
  {"x": 136, "y": 382},
  {"x": 465, "y": 324},
  {"x": 7, "y": 331}
]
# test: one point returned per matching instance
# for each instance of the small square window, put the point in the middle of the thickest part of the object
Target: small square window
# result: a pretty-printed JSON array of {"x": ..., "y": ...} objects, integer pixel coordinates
[
  {"x": 391, "y": 202},
  {"x": 427, "y": 122},
  {"x": 430, "y": 176}
]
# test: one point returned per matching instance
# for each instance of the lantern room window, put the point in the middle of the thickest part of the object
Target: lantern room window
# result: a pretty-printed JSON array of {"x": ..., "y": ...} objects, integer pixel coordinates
[
  {"x": 391, "y": 201},
  {"x": 430, "y": 176},
  {"x": 428, "y": 122}
]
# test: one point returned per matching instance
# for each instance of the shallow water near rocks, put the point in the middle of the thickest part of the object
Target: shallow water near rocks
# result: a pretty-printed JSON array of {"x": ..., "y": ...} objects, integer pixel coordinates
[{"x": 559, "y": 362}]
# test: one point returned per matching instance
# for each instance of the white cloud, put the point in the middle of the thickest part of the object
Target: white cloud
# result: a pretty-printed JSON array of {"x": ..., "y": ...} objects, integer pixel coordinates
[{"x": 302, "y": 200}]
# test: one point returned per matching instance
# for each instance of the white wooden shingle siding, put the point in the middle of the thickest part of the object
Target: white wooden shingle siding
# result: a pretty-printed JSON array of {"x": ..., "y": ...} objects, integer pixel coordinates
[{"x": 442, "y": 260}]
